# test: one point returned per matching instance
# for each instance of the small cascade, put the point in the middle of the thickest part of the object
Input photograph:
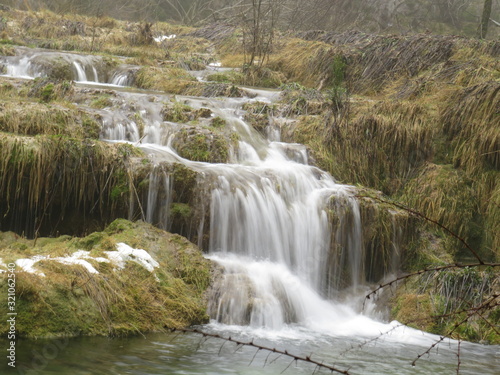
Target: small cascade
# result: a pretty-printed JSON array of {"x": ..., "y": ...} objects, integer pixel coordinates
[
  {"x": 124, "y": 75},
  {"x": 118, "y": 127},
  {"x": 80, "y": 72},
  {"x": 159, "y": 198},
  {"x": 86, "y": 67},
  {"x": 397, "y": 240},
  {"x": 22, "y": 68},
  {"x": 120, "y": 79},
  {"x": 32, "y": 63},
  {"x": 345, "y": 263},
  {"x": 287, "y": 236}
]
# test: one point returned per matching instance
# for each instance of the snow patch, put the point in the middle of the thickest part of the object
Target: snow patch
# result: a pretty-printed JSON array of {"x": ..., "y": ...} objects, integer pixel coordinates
[
  {"x": 161, "y": 38},
  {"x": 118, "y": 258},
  {"x": 2, "y": 264},
  {"x": 27, "y": 264},
  {"x": 79, "y": 257},
  {"x": 126, "y": 253}
]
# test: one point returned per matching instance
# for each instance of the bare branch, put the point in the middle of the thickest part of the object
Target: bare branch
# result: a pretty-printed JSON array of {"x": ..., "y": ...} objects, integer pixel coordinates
[
  {"x": 295, "y": 358},
  {"x": 426, "y": 270}
]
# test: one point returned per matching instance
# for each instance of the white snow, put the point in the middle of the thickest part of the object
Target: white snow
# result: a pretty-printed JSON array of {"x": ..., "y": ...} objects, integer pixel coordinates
[
  {"x": 27, "y": 264},
  {"x": 76, "y": 258},
  {"x": 215, "y": 64},
  {"x": 161, "y": 38},
  {"x": 126, "y": 253},
  {"x": 118, "y": 258}
]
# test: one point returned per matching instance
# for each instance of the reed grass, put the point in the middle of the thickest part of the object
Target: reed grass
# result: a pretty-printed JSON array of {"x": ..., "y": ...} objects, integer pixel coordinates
[{"x": 48, "y": 181}]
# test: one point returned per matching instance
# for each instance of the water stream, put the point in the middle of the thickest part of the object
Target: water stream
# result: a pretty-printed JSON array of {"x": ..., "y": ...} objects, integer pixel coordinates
[{"x": 270, "y": 229}]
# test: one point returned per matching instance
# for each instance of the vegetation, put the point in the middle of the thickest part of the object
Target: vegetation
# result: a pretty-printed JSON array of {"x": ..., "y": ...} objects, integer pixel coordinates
[{"x": 70, "y": 301}]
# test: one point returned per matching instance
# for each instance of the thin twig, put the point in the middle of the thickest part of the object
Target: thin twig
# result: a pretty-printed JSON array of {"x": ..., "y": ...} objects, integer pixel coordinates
[
  {"x": 426, "y": 270},
  {"x": 240, "y": 344}
]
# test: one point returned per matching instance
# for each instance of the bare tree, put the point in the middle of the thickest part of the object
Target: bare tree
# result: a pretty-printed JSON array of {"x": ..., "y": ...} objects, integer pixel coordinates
[
  {"x": 485, "y": 19},
  {"x": 259, "y": 20}
]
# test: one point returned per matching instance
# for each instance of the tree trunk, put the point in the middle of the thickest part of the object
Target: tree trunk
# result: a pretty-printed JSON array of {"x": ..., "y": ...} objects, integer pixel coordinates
[{"x": 485, "y": 19}]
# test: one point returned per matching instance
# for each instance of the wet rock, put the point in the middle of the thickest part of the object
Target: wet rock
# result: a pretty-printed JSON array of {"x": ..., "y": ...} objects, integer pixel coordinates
[
  {"x": 201, "y": 144},
  {"x": 88, "y": 286}
]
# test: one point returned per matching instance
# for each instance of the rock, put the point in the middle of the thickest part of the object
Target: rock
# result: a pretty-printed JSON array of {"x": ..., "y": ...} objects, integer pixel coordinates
[{"x": 76, "y": 286}]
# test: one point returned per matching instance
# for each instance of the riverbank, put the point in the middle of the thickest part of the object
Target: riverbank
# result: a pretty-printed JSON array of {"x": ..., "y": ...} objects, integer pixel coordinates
[{"x": 128, "y": 279}]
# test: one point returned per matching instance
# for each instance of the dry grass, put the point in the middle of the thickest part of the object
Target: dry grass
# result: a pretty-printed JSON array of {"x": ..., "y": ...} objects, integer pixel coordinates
[
  {"x": 444, "y": 194},
  {"x": 167, "y": 79},
  {"x": 52, "y": 183},
  {"x": 37, "y": 118},
  {"x": 471, "y": 118}
]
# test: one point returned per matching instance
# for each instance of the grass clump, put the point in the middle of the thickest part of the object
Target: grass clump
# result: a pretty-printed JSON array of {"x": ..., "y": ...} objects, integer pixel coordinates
[
  {"x": 44, "y": 119},
  {"x": 46, "y": 178},
  {"x": 445, "y": 195},
  {"x": 442, "y": 303},
  {"x": 171, "y": 80}
]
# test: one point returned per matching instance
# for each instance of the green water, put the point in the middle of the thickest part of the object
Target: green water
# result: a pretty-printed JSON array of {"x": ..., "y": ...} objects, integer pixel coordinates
[{"x": 192, "y": 354}]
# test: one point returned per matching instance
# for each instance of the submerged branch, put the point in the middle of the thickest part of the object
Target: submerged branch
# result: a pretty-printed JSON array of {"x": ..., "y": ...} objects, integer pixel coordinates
[{"x": 294, "y": 357}]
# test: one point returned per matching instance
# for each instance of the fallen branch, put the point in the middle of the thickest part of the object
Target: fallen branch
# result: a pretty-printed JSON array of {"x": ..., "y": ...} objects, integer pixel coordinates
[{"x": 294, "y": 357}]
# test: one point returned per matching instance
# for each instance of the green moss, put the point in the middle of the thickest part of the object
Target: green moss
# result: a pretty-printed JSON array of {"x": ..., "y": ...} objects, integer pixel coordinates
[
  {"x": 102, "y": 101},
  {"x": 89, "y": 242},
  {"x": 180, "y": 210},
  {"x": 202, "y": 145},
  {"x": 414, "y": 310},
  {"x": 218, "y": 122},
  {"x": 179, "y": 112},
  {"x": 69, "y": 301},
  {"x": 47, "y": 93},
  {"x": 219, "y": 77}
]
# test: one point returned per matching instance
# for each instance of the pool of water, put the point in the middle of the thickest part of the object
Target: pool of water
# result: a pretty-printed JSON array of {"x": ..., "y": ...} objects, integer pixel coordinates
[{"x": 188, "y": 353}]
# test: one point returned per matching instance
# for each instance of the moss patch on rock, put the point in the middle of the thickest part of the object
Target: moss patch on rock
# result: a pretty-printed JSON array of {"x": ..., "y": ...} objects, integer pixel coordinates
[
  {"x": 201, "y": 144},
  {"x": 69, "y": 300}
]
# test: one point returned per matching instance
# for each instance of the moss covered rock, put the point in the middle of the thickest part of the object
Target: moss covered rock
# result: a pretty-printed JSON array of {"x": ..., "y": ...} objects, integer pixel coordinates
[
  {"x": 90, "y": 286},
  {"x": 201, "y": 144}
]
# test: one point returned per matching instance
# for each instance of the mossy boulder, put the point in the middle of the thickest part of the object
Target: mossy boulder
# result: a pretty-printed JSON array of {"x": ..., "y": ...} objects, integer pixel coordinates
[
  {"x": 201, "y": 144},
  {"x": 71, "y": 299}
]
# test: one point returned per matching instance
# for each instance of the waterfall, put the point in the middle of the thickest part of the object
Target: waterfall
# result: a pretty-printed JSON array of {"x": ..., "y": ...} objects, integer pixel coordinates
[
  {"x": 159, "y": 198},
  {"x": 22, "y": 68},
  {"x": 287, "y": 235},
  {"x": 80, "y": 72},
  {"x": 33, "y": 63}
]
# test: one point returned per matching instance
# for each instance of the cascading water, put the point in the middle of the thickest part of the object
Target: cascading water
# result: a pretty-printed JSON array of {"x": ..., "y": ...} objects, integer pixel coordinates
[
  {"x": 34, "y": 63},
  {"x": 269, "y": 222}
]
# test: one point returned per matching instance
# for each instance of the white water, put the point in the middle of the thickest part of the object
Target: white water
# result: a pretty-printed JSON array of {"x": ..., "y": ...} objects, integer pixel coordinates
[
  {"x": 269, "y": 225},
  {"x": 34, "y": 63}
]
